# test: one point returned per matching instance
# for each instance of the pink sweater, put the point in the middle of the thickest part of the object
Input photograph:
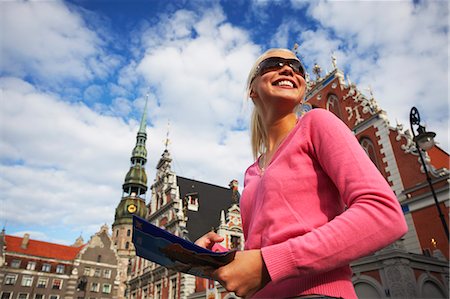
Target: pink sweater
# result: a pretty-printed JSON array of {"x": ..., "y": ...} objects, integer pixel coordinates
[{"x": 295, "y": 211}]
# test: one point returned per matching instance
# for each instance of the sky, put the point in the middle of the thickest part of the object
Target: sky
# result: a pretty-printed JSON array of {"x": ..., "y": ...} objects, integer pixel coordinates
[{"x": 74, "y": 77}]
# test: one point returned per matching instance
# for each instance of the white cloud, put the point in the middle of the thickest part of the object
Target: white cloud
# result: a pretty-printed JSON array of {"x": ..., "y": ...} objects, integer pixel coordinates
[
  {"x": 62, "y": 163},
  {"x": 398, "y": 48},
  {"x": 197, "y": 64},
  {"x": 47, "y": 40}
]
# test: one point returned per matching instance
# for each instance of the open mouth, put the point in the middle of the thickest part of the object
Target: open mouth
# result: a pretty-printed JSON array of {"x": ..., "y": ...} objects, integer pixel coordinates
[{"x": 284, "y": 83}]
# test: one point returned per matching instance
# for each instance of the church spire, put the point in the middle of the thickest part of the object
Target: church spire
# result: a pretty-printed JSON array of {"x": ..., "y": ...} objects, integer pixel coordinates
[
  {"x": 135, "y": 183},
  {"x": 143, "y": 126}
]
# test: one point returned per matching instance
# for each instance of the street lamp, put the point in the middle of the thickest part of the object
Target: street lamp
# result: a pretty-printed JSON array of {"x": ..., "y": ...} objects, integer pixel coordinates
[{"x": 425, "y": 141}]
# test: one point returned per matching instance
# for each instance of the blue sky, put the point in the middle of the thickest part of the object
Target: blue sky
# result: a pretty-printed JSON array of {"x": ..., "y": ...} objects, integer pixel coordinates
[{"x": 74, "y": 76}]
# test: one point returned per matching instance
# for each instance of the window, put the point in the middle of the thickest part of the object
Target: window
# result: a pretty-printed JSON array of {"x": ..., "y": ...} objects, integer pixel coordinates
[
  {"x": 235, "y": 242},
  {"x": 31, "y": 265},
  {"x": 173, "y": 288},
  {"x": 53, "y": 297},
  {"x": 158, "y": 291},
  {"x": 57, "y": 284},
  {"x": 368, "y": 146},
  {"x": 10, "y": 279},
  {"x": 60, "y": 269},
  {"x": 127, "y": 245},
  {"x": 107, "y": 273},
  {"x": 38, "y": 296},
  {"x": 95, "y": 287},
  {"x": 42, "y": 282},
  {"x": 15, "y": 264},
  {"x": 22, "y": 296},
  {"x": 333, "y": 105},
  {"x": 46, "y": 267},
  {"x": 6, "y": 295},
  {"x": 99, "y": 258},
  {"x": 106, "y": 288},
  {"x": 128, "y": 232},
  {"x": 97, "y": 272},
  {"x": 27, "y": 281},
  {"x": 87, "y": 271}
]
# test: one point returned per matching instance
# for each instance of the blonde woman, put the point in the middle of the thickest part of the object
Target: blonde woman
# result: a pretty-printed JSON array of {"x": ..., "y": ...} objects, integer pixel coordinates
[{"x": 312, "y": 201}]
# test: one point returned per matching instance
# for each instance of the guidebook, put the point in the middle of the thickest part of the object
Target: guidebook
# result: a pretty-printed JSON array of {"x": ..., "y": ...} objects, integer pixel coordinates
[{"x": 160, "y": 246}]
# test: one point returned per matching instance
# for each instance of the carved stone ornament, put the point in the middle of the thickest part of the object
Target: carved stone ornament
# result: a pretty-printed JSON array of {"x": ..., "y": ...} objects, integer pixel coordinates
[
  {"x": 368, "y": 105},
  {"x": 96, "y": 242}
]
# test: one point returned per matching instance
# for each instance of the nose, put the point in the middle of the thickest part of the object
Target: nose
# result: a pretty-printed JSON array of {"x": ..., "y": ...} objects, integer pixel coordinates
[{"x": 286, "y": 70}]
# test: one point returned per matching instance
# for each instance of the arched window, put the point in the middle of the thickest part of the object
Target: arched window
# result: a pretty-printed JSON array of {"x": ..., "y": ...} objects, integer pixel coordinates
[
  {"x": 127, "y": 245},
  {"x": 365, "y": 290},
  {"x": 367, "y": 145},
  {"x": 432, "y": 290},
  {"x": 333, "y": 105}
]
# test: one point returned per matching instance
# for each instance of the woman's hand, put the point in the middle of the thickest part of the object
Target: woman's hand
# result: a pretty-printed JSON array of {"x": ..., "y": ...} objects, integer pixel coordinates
[
  {"x": 208, "y": 240},
  {"x": 245, "y": 275}
]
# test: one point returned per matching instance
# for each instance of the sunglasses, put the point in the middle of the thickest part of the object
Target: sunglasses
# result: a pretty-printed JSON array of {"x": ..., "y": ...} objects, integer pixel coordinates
[{"x": 275, "y": 63}]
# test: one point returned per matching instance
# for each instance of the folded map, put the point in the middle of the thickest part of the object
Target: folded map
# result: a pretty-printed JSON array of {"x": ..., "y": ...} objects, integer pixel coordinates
[{"x": 160, "y": 246}]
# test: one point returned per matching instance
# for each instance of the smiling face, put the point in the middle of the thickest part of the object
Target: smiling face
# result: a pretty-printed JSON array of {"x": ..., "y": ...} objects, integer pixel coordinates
[{"x": 278, "y": 89}]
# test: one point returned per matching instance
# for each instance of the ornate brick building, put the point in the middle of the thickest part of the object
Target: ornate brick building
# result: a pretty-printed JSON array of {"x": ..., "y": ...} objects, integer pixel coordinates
[{"x": 417, "y": 265}]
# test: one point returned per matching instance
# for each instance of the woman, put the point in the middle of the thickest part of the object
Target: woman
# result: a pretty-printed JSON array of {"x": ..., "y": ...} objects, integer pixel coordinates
[{"x": 312, "y": 202}]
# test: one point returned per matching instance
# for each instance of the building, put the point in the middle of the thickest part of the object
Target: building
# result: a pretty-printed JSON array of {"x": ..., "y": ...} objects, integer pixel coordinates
[
  {"x": 33, "y": 269},
  {"x": 96, "y": 268},
  {"x": 186, "y": 208},
  {"x": 417, "y": 265}
]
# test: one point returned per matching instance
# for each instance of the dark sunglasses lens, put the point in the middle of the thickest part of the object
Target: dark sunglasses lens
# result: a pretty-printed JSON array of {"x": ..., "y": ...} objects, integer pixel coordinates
[{"x": 276, "y": 63}]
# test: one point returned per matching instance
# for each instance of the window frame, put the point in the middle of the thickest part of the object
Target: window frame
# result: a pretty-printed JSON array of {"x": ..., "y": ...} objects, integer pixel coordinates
[
  {"x": 15, "y": 263},
  {"x": 31, "y": 265},
  {"x": 60, "y": 269},
  {"x": 29, "y": 278},
  {"x": 107, "y": 273},
  {"x": 42, "y": 279},
  {"x": 95, "y": 287},
  {"x": 46, "y": 267},
  {"x": 58, "y": 286},
  {"x": 26, "y": 295},
  {"x": 108, "y": 285},
  {"x": 10, "y": 275}
]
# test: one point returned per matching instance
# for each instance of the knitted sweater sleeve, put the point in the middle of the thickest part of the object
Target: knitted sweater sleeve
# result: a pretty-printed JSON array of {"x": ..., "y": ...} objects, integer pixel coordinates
[{"x": 373, "y": 219}]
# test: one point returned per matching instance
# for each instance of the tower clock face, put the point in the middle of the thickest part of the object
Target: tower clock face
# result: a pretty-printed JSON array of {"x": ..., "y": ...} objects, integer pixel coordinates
[{"x": 131, "y": 208}]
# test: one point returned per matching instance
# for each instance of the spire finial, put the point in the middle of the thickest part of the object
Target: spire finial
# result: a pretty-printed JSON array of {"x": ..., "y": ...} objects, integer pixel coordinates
[
  {"x": 317, "y": 70},
  {"x": 334, "y": 60},
  {"x": 167, "y": 142},
  {"x": 144, "y": 117}
]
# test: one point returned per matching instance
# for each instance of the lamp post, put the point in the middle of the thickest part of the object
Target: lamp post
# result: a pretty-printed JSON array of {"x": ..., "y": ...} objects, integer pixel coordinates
[{"x": 425, "y": 141}]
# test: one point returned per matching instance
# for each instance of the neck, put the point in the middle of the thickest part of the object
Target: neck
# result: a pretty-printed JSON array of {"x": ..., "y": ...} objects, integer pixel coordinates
[{"x": 277, "y": 129}]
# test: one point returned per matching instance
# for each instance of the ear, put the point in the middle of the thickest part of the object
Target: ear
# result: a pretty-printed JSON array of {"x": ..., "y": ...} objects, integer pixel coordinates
[{"x": 253, "y": 94}]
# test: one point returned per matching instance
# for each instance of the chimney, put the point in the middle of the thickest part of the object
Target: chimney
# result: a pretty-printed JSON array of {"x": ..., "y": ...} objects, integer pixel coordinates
[{"x": 25, "y": 240}]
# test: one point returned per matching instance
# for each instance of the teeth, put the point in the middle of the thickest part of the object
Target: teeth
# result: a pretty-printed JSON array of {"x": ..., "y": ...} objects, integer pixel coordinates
[{"x": 285, "y": 83}]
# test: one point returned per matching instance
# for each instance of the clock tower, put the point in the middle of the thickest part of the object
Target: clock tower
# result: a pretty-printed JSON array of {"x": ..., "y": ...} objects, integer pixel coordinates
[{"x": 132, "y": 202}]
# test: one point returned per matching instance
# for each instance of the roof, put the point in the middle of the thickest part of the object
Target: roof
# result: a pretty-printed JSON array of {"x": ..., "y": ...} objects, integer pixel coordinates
[
  {"x": 212, "y": 199},
  {"x": 41, "y": 248}
]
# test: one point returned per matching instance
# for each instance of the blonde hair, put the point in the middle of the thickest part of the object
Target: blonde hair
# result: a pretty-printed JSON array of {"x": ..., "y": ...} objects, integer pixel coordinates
[{"x": 257, "y": 131}]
